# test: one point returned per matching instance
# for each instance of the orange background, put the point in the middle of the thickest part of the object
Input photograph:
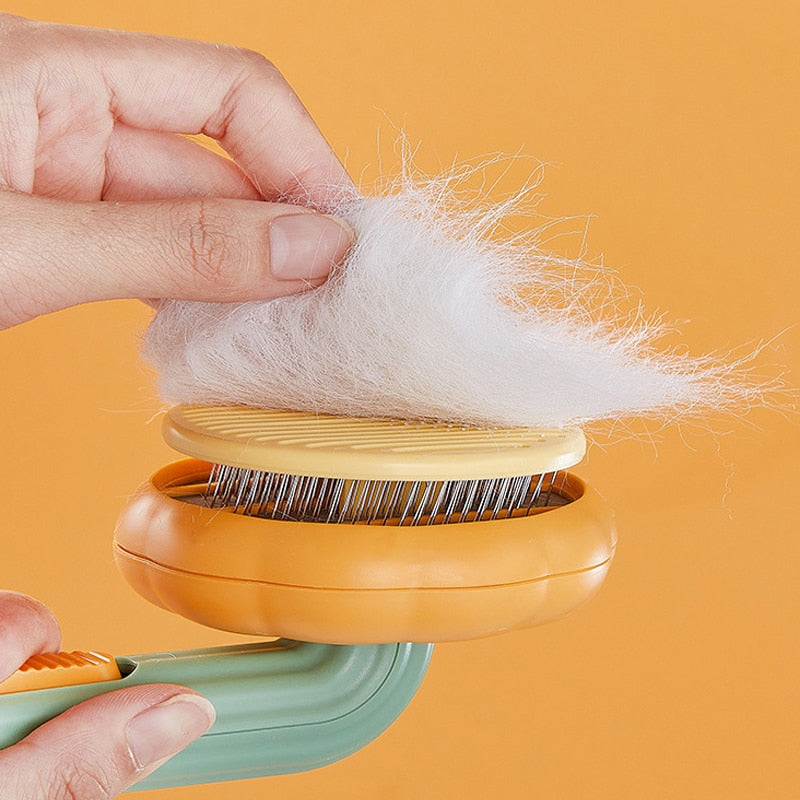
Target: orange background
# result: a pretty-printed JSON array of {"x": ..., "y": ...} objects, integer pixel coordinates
[{"x": 675, "y": 125}]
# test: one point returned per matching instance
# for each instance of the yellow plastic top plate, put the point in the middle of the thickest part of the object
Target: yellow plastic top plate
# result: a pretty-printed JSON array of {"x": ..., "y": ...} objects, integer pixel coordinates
[{"x": 366, "y": 449}]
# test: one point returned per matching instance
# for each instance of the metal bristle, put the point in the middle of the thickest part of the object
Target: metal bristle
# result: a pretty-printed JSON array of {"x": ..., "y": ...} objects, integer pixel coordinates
[{"x": 302, "y": 498}]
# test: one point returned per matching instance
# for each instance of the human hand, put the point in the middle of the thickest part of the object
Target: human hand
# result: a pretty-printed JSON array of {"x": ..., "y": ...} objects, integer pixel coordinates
[
  {"x": 90, "y": 115},
  {"x": 101, "y": 747}
]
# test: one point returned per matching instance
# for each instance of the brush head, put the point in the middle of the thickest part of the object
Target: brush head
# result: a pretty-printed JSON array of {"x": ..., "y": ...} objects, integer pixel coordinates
[
  {"x": 324, "y": 446},
  {"x": 295, "y": 466},
  {"x": 308, "y": 561}
]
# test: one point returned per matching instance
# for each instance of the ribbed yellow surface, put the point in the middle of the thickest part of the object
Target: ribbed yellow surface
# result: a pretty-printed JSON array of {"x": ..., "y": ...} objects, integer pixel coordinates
[
  {"x": 48, "y": 670},
  {"x": 76, "y": 658},
  {"x": 345, "y": 447}
]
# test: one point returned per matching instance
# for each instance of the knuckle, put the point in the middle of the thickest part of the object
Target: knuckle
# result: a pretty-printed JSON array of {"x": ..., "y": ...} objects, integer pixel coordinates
[
  {"x": 27, "y": 772},
  {"x": 258, "y": 64},
  {"x": 10, "y": 24},
  {"x": 207, "y": 241},
  {"x": 79, "y": 782}
]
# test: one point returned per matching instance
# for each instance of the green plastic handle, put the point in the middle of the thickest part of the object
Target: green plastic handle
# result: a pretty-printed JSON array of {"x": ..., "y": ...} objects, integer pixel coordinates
[{"x": 282, "y": 706}]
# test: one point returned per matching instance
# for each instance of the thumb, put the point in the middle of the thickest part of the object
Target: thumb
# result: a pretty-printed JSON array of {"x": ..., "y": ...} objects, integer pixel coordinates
[
  {"x": 55, "y": 253},
  {"x": 103, "y": 746}
]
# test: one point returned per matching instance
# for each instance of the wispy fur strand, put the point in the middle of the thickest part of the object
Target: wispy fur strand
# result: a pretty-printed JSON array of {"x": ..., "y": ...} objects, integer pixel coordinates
[{"x": 437, "y": 314}]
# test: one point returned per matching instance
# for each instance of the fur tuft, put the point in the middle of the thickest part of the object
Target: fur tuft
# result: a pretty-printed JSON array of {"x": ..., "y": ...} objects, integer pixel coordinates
[{"x": 437, "y": 314}]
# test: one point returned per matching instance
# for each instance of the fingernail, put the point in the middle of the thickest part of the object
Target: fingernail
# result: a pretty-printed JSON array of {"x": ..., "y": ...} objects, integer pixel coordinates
[
  {"x": 165, "y": 729},
  {"x": 306, "y": 246}
]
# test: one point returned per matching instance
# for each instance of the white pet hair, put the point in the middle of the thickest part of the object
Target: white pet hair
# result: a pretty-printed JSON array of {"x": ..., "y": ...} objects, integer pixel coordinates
[{"x": 437, "y": 314}]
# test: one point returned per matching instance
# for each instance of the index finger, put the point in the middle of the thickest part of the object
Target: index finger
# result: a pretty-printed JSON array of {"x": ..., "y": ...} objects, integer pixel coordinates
[
  {"x": 233, "y": 95},
  {"x": 26, "y": 628}
]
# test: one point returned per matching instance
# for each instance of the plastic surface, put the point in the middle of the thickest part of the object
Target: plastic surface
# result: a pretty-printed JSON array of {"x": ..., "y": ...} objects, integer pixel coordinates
[
  {"x": 47, "y": 670},
  {"x": 361, "y": 583},
  {"x": 281, "y": 706},
  {"x": 367, "y": 449}
]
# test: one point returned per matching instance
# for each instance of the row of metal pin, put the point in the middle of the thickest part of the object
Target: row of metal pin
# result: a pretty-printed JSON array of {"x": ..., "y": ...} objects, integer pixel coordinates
[{"x": 342, "y": 500}]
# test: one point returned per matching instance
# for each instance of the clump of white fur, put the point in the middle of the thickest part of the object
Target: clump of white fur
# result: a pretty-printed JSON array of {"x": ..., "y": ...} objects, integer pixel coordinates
[{"x": 437, "y": 315}]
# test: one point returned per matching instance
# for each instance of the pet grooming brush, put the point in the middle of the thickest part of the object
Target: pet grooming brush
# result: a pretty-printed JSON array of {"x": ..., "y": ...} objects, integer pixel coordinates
[
  {"x": 362, "y": 539},
  {"x": 353, "y": 531}
]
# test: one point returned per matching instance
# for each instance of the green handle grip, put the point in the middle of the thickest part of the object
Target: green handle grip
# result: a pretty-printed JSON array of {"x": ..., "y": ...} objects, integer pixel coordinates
[{"x": 282, "y": 706}]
